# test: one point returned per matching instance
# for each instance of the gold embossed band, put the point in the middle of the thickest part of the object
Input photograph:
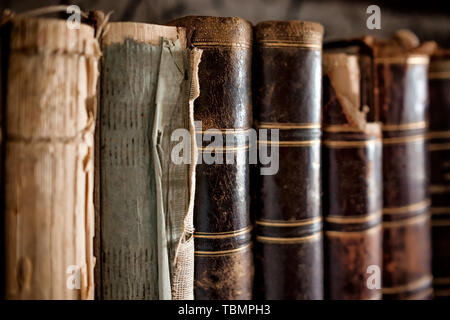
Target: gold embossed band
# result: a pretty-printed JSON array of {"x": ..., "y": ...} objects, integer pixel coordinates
[
  {"x": 408, "y": 208},
  {"x": 288, "y": 125},
  {"x": 354, "y": 219},
  {"x": 405, "y": 126},
  {"x": 205, "y": 43},
  {"x": 301, "y": 143},
  {"x": 279, "y": 240},
  {"x": 288, "y": 223},
  {"x": 414, "y": 285},
  {"x": 222, "y": 149},
  {"x": 223, "y": 252},
  {"x": 289, "y": 43},
  {"x": 224, "y": 131},
  {"x": 406, "y": 139},
  {"x": 223, "y": 235},
  {"x": 301, "y": 34},
  {"x": 342, "y": 144}
]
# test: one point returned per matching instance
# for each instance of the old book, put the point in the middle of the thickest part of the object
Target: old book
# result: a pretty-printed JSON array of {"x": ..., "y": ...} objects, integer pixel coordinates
[
  {"x": 288, "y": 249},
  {"x": 399, "y": 88},
  {"x": 352, "y": 183},
  {"x": 439, "y": 155},
  {"x": 146, "y": 196},
  {"x": 50, "y": 111},
  {"x": 223, "y": 111},
  {"x": 400, "y": 80}
]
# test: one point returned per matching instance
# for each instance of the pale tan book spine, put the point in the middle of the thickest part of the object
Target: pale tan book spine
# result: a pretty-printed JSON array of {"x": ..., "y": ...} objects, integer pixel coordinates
[{"x": 50, "y": 112}]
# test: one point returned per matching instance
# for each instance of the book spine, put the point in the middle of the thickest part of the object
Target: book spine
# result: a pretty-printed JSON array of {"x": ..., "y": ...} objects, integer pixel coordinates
[
  {"x": 352, "y": 180},
  {"x": 223, "y": 248},
  {"x": 289, "y": 258},
  {"x": 439, "y": 155},
  {"x": 401, "y": 106},
  {"x": 50, "y": 111},
  {"x": 130, "y": 235}
]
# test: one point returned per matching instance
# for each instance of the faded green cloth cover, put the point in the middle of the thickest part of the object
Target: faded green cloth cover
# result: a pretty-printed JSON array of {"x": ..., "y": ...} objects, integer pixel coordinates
[{"x": 145, "y": 214}]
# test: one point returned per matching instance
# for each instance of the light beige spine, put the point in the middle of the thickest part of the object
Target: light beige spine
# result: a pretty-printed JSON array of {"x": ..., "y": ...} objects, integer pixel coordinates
[{"x": 50, "y": 116}]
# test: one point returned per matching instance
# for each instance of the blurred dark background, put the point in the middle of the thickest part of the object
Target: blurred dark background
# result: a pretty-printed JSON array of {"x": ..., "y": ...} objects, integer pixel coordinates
[{"x": 430, "y": 20}]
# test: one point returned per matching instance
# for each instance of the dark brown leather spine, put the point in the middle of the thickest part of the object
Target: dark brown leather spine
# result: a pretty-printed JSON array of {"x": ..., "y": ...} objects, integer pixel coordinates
[
  {"x": 289, "y": 257},
  {"x": 401, "y": 105},
  {"x": 223, "y": 248},
  {"x": 439, "y": 155},
  {"x": 352, "y": 185}
]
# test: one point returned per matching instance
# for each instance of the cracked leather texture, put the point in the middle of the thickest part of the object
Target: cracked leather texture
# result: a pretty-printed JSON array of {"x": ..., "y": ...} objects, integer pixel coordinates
[{"x": 224, "y": 258}]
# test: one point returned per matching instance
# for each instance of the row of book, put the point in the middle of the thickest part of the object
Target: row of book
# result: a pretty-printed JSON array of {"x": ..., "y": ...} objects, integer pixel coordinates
[{"x": 97, "y": 206}]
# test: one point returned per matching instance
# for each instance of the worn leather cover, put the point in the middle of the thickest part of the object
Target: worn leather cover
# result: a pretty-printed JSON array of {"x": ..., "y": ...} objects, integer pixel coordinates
[
  {"x": 399, "y": 87},
  {"x": 401, "y": 102},
  {"x": 352, "y": 182},
  {"x": 289, "y": 258},
  {"x": 439, "y": 155},
  {"x": 223, "y": 248}
]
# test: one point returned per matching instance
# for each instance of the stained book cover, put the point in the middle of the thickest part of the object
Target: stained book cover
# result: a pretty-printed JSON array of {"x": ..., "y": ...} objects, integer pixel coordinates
[
  {"x": 145, "y": 210},
  {"x": 352, "y": 180},
  {"x": 289, "y": 249},
  {"x": 49, "y": 107},
  {"x": 399, "y": 89},
  {"x": 223, "y": 112},
  {"x": 401, "y": 102}
]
